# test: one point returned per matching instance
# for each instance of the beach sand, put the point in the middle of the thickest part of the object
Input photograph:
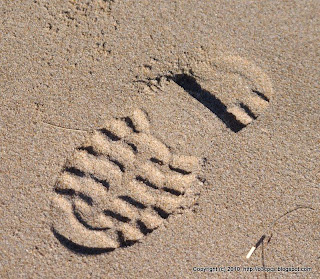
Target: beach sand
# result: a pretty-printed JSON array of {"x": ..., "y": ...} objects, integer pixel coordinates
[{"x": 223, "y": 92}]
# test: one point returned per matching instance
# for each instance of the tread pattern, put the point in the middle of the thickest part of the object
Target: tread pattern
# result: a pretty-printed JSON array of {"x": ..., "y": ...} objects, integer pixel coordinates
[
  {"x": 250, "y": 104},
  {"x": 233, "y": 88},
  {"x": 120, "y": 185}
]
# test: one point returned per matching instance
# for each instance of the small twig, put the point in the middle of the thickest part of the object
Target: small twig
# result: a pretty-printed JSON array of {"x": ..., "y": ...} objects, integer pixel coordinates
[
  {"x": 253, "y": 248},
  {"x": 273, "y": 224},
  {"x": 288, "y": 212},
  {"x": 64, "y": 128}
]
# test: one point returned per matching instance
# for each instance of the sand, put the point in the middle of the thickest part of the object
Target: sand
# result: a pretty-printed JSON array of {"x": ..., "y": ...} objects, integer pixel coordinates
[{"x": 219, "y": 103}]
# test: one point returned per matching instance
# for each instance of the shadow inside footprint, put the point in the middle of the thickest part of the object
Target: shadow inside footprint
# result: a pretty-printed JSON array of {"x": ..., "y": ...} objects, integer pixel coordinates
[{"x": 210, "y": 101}]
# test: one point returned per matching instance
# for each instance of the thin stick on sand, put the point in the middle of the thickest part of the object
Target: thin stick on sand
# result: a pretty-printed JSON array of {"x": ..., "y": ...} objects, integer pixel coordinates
[
  {"x": 273, "y": 224},
  {"x": 253, "y": 248}
]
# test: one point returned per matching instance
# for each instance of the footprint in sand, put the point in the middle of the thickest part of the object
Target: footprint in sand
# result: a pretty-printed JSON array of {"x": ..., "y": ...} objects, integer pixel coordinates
[
  {"x": 120, "y": 185},
  {"x": 123, "y": 183}
]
